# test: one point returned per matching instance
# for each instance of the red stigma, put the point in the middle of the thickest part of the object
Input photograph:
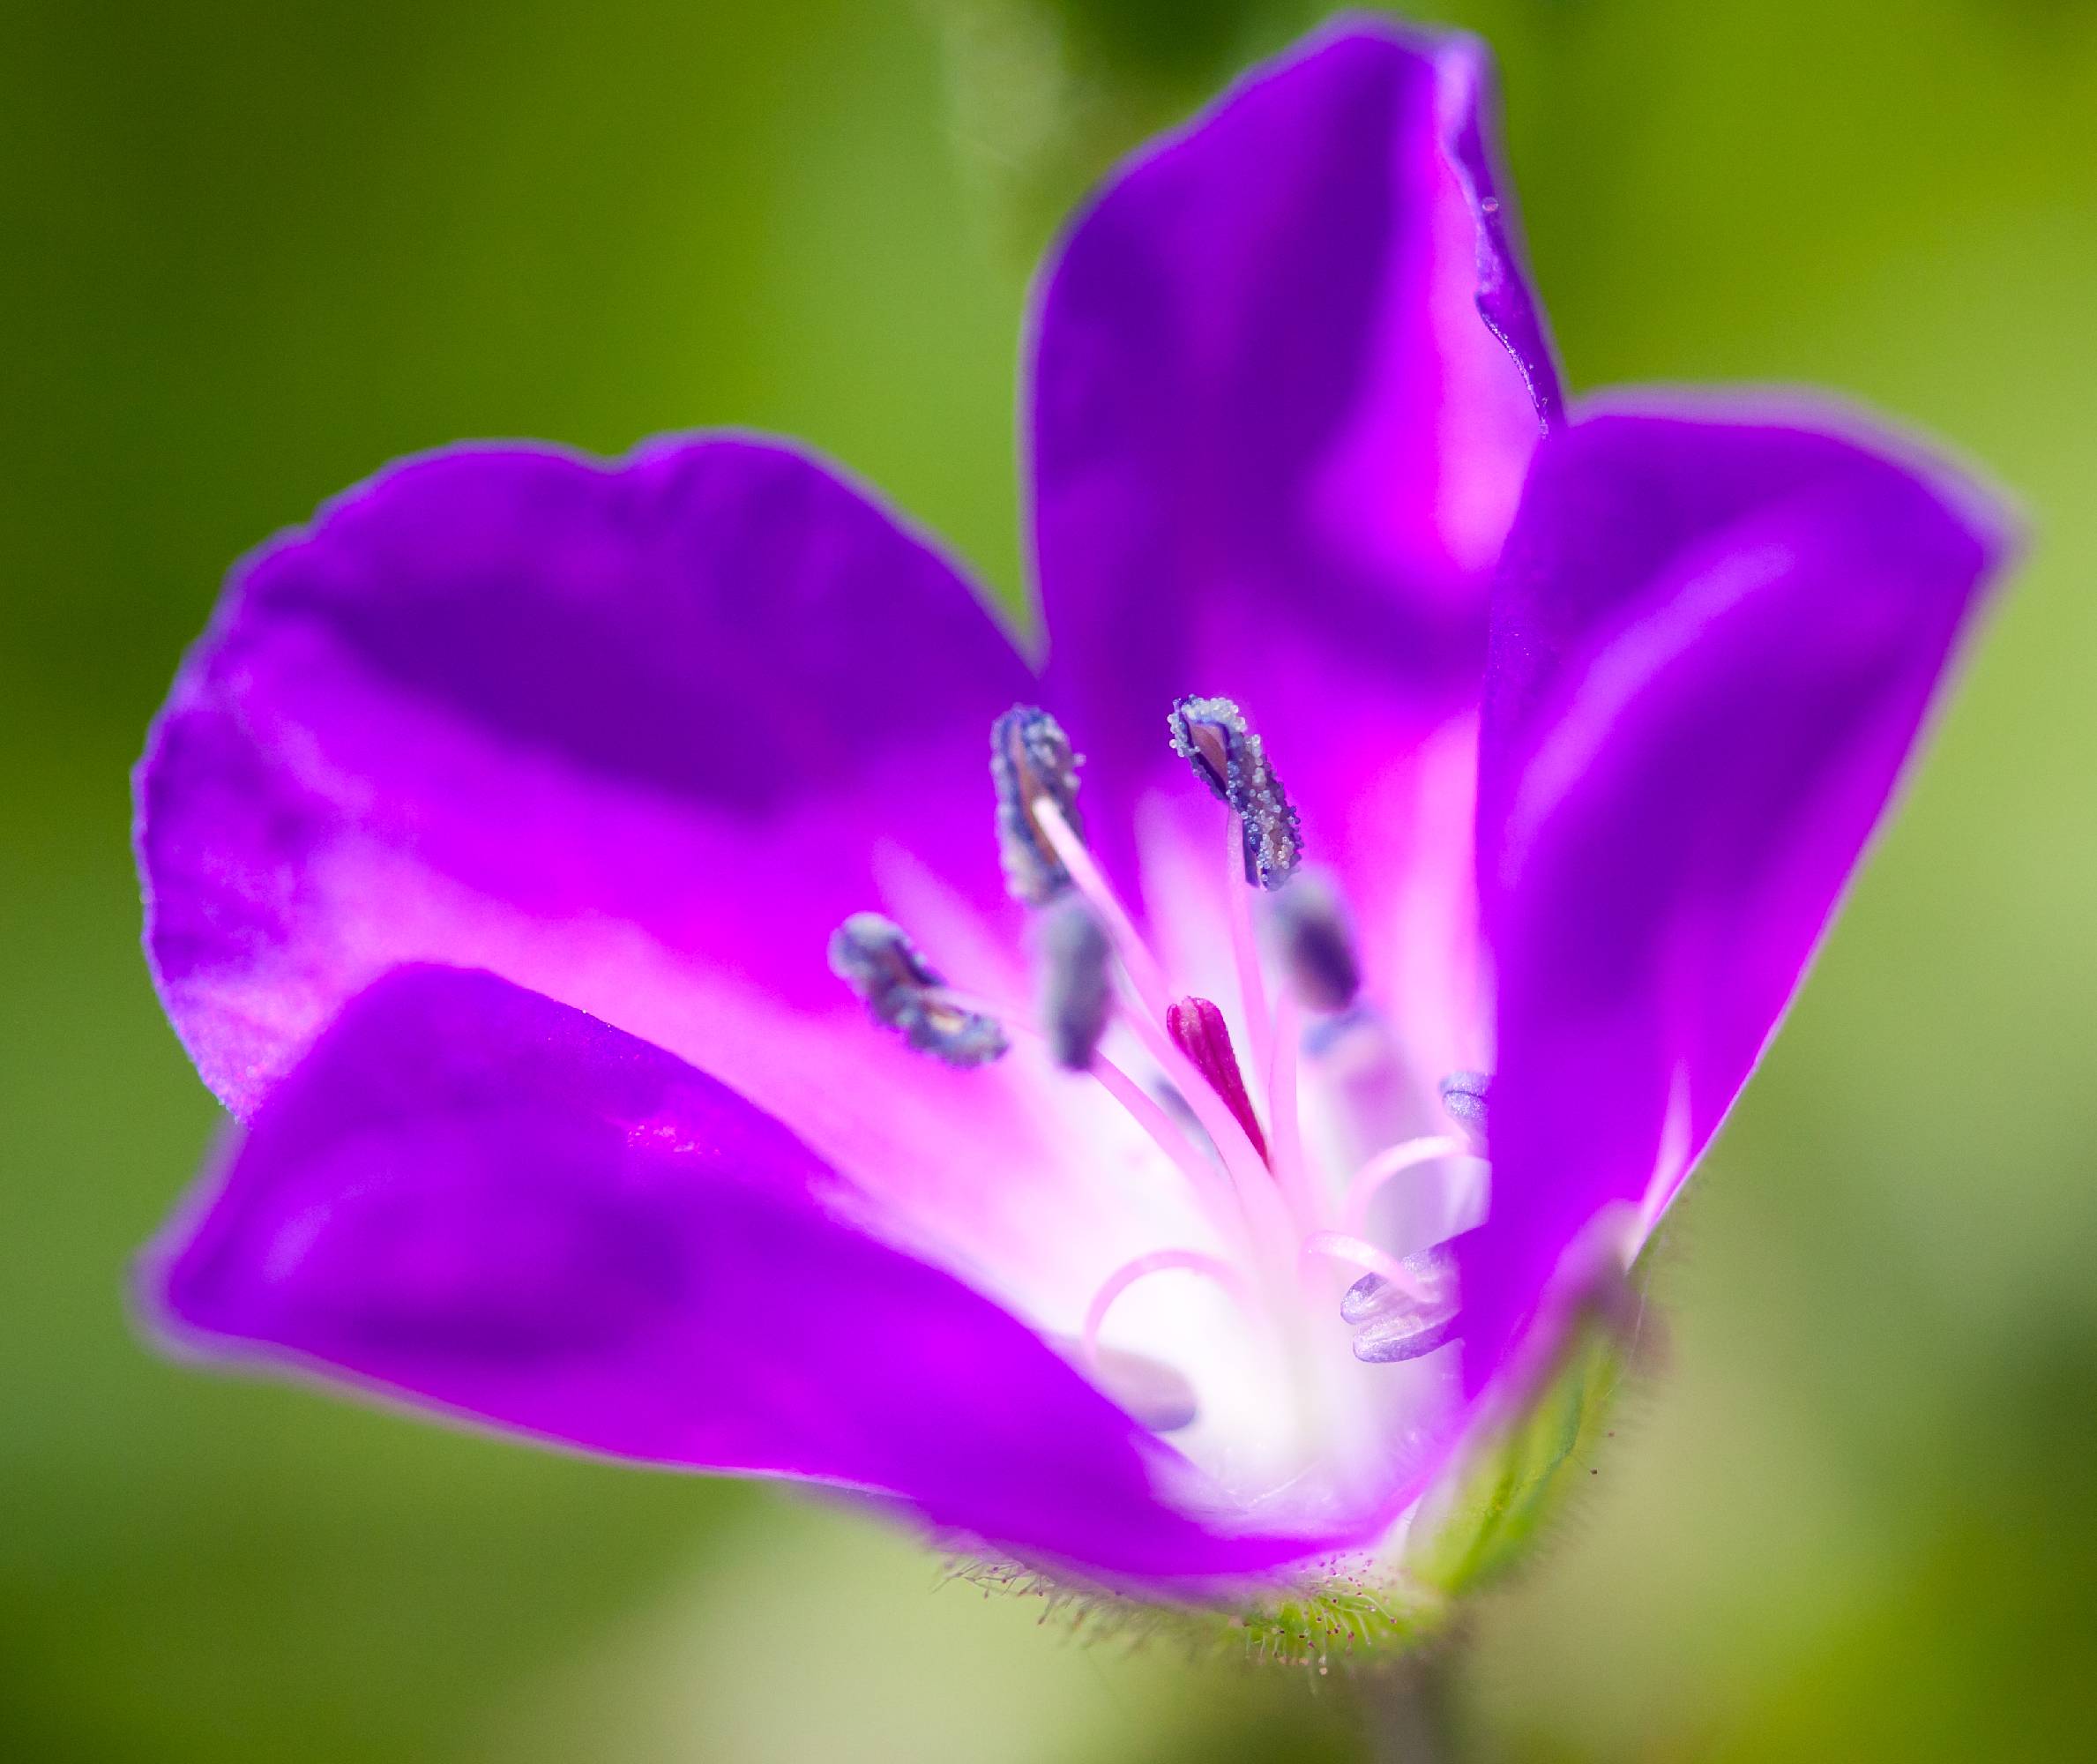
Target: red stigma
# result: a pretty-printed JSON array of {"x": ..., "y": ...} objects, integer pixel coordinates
[{"x": 1197, "y": 1028}]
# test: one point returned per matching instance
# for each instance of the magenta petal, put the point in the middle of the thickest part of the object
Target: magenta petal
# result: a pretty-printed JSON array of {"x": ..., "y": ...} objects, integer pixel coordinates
[
  {"x": 1716, "y": 642},
  {"x": 1509, "y": 305},
  {"x": 635, "y": 736},
  {"x": 514, "y": 708},
  {"x": 1275, "y": 445},
  {"x": 475, "y": 1200}
]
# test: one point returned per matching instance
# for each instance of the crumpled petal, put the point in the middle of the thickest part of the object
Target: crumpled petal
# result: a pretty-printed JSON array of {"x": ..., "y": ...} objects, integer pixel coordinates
[
  {"x": 475, "y": 1200},
  {"x": 638, "y": 735},
  {"x": 1275, "y": 445},
  {"x": 1714, "y": 644},
  {"x": 1505, "y": 301}
]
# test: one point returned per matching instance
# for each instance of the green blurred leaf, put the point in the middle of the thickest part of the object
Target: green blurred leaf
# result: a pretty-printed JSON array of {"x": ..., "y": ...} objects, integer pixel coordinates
[{"x": 1047, "y": 94}]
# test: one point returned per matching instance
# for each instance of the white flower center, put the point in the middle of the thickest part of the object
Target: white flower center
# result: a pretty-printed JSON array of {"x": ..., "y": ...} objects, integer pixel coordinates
[{"x": 1291, "y": 1347}]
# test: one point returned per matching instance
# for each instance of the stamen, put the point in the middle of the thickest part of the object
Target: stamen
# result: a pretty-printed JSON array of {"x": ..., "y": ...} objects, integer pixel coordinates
[
  {"x": 1464, "y": 1098},
  {"x": 1289, "y": 1167},
  {"x": 1213, "y": 1187},
  {"x": 1075, "y": 994},
  {"x": 1198, "y": 1029},
  {"x": 1142, "y": 1267},
  {"x": 1086, "y": 876},
  {"x": 1392, "y": 1325},
  {"x": 1244, "y": 1162},
  {"x": 876, "y": 958},
  {"x": 1244, "y": 954},
  {"x": 1396, "y": 1271},
  {"x": 1373, "y": 1296},
  {"x": 1031, "y": 762},
  {"x": 1363, "y": 1186},
  {"x": 1156, "y": 1394},
  {"x": 1213, "y": 736},
  {"x": 1315, "y": 944}
]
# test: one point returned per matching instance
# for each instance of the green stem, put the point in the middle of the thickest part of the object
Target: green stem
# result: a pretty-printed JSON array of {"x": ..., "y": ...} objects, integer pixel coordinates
[{"x": 1410, "y": 1711}]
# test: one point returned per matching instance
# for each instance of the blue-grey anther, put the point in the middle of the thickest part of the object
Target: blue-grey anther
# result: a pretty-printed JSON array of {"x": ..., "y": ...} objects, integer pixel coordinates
[
  {"x": 1213, "y": 735},
  {"x": 1310, "y": 933},
  {"x": 1157, "y": 1394},
  {"x": 1031, "y": 761},
  {"x": 1076, "y": 984},
  {"x": 876, "y": 958},
  {"x": 1464, "y": 1098},
  {"x": 1391, "y": 1324}
]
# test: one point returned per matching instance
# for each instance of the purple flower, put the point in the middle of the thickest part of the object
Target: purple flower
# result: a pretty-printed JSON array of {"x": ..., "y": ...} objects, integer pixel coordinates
[{"x": 659, "y": 1032}]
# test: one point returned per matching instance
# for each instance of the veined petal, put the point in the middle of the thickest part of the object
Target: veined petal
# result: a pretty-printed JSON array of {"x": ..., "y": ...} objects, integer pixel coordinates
[
  {"x": 476, "y": 1201},
  {"x": 1716, "y": 642},
  {"x": 638, "y": 735},
  {"x": 1285, "y": 376}
]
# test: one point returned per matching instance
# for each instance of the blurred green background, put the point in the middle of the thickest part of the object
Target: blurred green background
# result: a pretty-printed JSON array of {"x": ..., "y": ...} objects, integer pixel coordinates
[{"x": 250, "y": 250}]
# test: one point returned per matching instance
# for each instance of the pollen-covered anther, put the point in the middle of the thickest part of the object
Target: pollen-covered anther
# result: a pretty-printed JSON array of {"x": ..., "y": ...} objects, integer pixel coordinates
[
  {"x": 1031, "y": 762},
  {"x": 1213, "y": 735},
  {"x": 1076, "y": 989},
  {"x": 875, "y": 957},
  {"x": 1464, "y": 1100},
  {"x": 1391, "y": 1324}
]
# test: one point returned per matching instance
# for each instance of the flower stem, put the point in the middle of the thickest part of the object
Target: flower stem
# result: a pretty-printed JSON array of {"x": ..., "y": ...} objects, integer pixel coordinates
[{"x": 1410, "y": 1712}]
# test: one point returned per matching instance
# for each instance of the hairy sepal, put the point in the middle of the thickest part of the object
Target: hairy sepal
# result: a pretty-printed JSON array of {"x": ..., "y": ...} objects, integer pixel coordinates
[
  {"x": 1356, "y": 1614},
  {"x": 1484, "y": 1518}
]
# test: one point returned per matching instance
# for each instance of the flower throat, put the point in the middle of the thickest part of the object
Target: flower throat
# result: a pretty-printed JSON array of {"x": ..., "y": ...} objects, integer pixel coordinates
[{"x": 1278, "y": 1227}]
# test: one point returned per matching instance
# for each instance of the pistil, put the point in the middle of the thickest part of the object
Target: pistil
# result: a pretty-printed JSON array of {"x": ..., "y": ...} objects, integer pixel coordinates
[{"x": 1196, "y": 1027}]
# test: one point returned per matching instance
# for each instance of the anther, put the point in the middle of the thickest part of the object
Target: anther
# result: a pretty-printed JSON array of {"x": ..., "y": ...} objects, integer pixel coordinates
[
  {"x": 1315, "y": 944},
  {"x": 1196, "y": 1027},
  {"x": 1156, "y": 1394},
  {"x": 1213, "y": 735},
  {"x": 875, "y": 957},
  {"x": 1076, "y": 991},
  {"x": 1392, "y": 1325},
  {"x": 1464, "y": 1100},
  {"x": 1030, "y": 760}
]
